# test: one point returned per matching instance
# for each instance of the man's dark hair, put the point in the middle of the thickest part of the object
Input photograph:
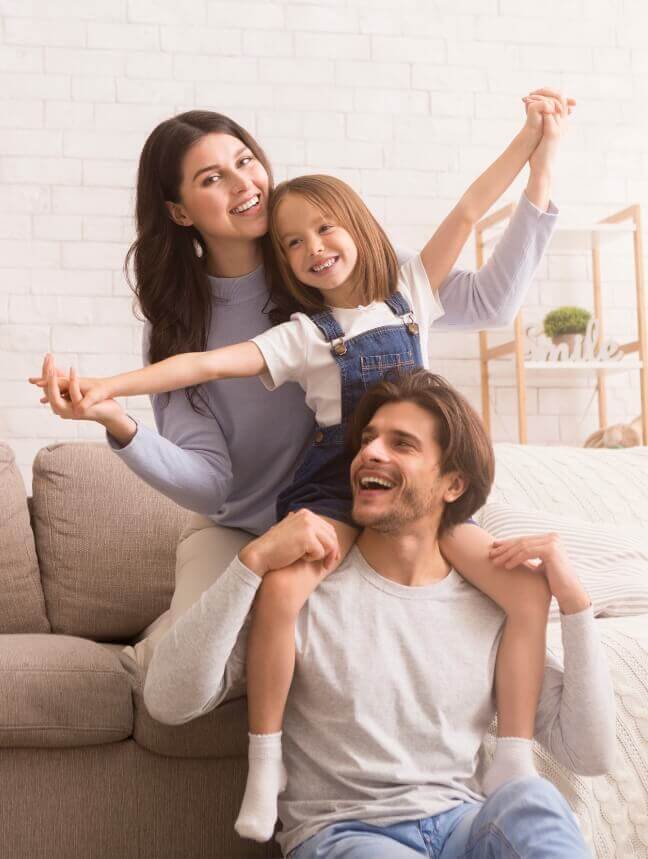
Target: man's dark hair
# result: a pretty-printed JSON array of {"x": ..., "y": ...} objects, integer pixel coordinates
[{"x": 465, "y": 446}]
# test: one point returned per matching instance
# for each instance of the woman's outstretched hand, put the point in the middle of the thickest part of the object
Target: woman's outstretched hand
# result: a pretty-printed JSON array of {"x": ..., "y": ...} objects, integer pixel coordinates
[
  {"x": 65, "y": 396},
  {"x": 49, "y": 369}
]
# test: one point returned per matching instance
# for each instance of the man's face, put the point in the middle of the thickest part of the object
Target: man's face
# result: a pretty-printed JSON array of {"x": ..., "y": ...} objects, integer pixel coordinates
[{"x": 395, "y": 476}]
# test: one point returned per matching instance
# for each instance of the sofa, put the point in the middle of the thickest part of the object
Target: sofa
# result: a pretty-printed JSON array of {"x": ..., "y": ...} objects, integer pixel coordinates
[{"x": 87, "y": 564}]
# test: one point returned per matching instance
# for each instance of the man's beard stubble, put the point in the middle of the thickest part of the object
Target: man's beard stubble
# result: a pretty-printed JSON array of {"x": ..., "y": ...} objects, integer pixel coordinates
[{"x": 410, "y": 506}]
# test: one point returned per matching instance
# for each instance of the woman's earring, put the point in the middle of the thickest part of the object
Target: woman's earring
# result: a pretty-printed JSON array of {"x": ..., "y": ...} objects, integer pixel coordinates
[{"x": 198, "y": 248}]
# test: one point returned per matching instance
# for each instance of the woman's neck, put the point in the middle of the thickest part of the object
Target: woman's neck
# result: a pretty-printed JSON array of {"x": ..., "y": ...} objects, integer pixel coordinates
[{"x": 233, "y": 259}]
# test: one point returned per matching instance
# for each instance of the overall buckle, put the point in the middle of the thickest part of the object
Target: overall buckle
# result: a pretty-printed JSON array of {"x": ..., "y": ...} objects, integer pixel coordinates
[
  {"x": 339, "y": 346},
  {"x": 410, "y": 323}
]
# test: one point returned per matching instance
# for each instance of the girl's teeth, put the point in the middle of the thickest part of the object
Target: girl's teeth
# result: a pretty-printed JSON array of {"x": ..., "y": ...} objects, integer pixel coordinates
[{"x": 324, "y": 265}]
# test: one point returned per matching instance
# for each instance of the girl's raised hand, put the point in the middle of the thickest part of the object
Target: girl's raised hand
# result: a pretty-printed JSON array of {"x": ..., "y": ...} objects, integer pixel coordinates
[
  {"x": 543, "y": 103},
  {"x": 547, "y": 112},
  {"x": 41, "y": 381},
  {"x": 63, "y": 380},
  {"x": 70, "y": 403},
  {"x": 85, "y": 393}
]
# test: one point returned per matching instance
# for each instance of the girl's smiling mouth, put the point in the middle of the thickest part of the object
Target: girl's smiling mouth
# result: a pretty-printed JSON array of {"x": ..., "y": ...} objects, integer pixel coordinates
[{"x": 324, "y": 266}]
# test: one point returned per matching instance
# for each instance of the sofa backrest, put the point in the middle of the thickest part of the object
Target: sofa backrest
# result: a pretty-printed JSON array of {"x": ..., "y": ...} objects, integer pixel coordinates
[
  {"x": 609, "y": 486},
  {"x": 22, "y": 606},
  {"x": 105, "y": 540}
]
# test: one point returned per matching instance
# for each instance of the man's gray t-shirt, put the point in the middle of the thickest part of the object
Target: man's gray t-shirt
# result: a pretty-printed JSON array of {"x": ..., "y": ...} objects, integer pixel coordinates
[
  {"x": 392, "y": 693},
  {"x": 391, "y": 698}
]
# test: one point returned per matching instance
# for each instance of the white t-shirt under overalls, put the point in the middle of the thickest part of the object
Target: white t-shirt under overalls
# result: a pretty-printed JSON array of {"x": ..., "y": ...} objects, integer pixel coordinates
[{"x": 296, "y": 351}]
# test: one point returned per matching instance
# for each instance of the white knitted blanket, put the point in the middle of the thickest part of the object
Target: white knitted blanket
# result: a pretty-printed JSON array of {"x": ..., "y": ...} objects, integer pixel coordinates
[
  {"x": 598, "y": 486},
  {"x": 608, "y": 486},
  {"x": 612, "y": 810}
]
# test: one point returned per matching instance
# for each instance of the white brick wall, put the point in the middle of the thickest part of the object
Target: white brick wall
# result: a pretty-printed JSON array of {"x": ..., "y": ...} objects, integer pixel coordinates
[{"x": 407, "y": 100}]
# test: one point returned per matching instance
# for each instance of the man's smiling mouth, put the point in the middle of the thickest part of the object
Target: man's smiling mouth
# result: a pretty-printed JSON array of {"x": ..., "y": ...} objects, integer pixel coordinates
[{"x": 375, "y": 483}]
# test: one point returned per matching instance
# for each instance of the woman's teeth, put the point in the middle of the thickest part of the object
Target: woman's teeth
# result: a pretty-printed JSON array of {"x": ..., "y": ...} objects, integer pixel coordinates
[
  {"x": 253, "y": 201},
  {"x": 324, "y": 265}
]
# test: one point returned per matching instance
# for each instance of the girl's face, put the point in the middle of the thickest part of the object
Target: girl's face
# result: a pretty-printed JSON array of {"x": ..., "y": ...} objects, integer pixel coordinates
[
  {"x": 320, "y": 253},
  {"x": 224, "y": 190}
]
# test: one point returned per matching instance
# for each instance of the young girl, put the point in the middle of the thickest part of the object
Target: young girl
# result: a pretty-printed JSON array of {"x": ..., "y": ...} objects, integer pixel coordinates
[{"x": 361, "y": 317}]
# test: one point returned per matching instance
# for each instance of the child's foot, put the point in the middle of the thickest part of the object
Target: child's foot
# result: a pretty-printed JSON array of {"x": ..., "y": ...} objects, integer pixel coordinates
[
  {"x": 513, "y": 759},
  {"x": 266, "y": 780}
]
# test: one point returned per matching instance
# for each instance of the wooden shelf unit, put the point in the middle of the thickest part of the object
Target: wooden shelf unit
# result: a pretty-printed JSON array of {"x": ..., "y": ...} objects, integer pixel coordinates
[{"x": 590, "y": 237}]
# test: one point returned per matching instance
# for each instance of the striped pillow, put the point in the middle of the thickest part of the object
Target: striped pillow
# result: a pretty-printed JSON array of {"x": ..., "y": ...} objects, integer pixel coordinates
[{"x": 610, "y": 560}]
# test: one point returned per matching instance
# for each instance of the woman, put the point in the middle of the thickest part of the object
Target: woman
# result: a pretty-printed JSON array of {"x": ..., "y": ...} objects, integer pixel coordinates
[{"x": 202, "y": 194}]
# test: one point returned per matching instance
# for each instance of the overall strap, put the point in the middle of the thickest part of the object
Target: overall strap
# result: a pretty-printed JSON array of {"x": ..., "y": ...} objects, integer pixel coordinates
[
  {"x": 329, "y": 327},
  {"x": 398, "y": 305},
  {"x": 327, "y": 324}
]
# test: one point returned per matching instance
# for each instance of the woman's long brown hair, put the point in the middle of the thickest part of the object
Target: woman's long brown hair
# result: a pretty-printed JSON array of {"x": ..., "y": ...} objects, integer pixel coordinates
[{"x": 168, "y": 274}]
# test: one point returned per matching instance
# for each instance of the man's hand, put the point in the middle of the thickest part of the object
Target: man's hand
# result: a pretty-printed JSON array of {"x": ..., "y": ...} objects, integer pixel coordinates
[
  {"x": 300, "y": 536},
  {"x": 563, "y": 582}
]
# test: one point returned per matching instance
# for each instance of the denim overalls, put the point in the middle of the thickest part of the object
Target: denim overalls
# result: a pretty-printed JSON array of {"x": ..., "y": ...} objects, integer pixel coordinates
[{"x": 321, "y": 482}]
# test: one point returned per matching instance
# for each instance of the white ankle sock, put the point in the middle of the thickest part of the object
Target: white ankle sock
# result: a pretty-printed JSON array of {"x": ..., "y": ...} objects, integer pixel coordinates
[
  {"x": 266, "y": 780},
  {"x": 513, "y": 759}
]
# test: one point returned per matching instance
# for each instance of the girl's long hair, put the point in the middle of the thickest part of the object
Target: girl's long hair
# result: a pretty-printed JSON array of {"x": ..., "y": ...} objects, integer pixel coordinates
[
  {"x": 168, "y": 261},
  {"x": 376, "y": 271}
]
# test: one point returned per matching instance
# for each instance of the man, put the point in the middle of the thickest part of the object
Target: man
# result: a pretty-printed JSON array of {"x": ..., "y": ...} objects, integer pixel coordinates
[{"x": 392, "y": 692}]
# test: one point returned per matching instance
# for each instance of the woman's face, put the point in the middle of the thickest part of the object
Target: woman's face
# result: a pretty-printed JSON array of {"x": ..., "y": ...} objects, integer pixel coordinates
[{"x": 224, "y": 190}]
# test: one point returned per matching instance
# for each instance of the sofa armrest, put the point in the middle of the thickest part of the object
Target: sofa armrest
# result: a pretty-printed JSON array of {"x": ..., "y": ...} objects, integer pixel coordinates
[{"x": 221, "y": 733}]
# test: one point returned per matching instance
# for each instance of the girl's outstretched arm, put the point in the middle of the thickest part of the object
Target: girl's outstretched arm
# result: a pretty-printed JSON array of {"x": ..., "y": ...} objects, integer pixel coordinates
[
  {"x": 178, "y": 371},
  {"x": 441, "y": 251}
]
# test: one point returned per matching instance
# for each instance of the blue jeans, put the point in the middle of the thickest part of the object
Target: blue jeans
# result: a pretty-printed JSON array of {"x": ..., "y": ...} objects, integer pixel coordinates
[{"x": 526, "y": 818}]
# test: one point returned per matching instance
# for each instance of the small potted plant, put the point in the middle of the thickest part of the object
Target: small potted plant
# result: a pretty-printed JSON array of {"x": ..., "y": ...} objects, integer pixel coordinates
[{"x": 563, "y": 324}]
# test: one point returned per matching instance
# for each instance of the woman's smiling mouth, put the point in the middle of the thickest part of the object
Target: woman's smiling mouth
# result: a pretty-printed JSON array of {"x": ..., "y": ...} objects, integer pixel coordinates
[{"x": 250, "y": 205}]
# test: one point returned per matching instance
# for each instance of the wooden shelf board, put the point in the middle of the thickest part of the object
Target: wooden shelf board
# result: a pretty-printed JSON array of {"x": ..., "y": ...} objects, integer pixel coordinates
[
  {"x": 592, "y": 366},
  {"x": 573, "y": 237}
]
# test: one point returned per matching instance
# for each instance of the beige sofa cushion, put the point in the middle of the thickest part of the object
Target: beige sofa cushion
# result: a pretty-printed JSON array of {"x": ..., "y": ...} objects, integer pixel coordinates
[
  {"x": 22, "y": 607},
  {"x": 221, "y": 733},
  {"x": 59, "y": 691},
  {"x": 105, "y": 540}
]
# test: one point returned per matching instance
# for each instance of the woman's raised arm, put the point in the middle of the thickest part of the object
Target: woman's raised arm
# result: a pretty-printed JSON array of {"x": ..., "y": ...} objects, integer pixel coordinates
[{"x": 441, "y": 251}]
